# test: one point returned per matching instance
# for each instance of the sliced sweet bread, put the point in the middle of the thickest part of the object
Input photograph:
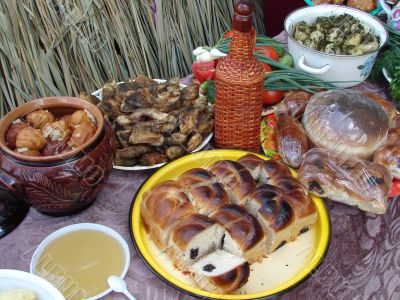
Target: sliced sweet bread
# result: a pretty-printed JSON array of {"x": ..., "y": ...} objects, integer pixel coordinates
[
  {"x": 207, "y": 198},
  {"x": 195, "y": 177},
  {"x": 162, "y": 208},
  {"x": 220, "y": 272},
  {"x": 244, "y": 236},
  {"x": 275, "y": 214},
  {"x": 192, "y": 238},
  {"x": 236, "y": 179}
]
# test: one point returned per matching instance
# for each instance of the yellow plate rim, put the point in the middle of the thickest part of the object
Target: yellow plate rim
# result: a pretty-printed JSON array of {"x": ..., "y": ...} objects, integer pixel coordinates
[{"x": 145, "y": 256}]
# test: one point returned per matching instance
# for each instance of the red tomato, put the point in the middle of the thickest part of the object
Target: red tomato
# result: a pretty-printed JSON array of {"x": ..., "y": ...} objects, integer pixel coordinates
[
  {"x": 229, "y": 34},
  {"x": 267, "y": 68},
  {"x": 272, "y": 97},
  {"x": 395, "y": 188},
  {"x": 267, "y": 51}
]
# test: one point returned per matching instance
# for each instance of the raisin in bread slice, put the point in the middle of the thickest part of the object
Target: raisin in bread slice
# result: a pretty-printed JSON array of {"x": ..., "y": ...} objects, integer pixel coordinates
[
  {"x": 221, "y": 272},
  {"x": 192, "y": 238},
  {"x": 244, "y": 236}
]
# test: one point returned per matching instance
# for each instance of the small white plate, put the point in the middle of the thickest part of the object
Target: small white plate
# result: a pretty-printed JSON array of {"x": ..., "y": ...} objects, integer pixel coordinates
[
  {"x": 14, "y": 279},
  {"x": 77, "y": 227},
  {"x": 99, "y": 95}
]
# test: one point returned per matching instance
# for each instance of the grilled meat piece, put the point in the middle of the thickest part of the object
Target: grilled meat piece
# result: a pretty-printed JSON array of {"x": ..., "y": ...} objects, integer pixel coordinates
[
  {"x": 144, "y": 135},
  {"x": 194, "y": 141},
  {"x": 123, "y": 137},
  {"x": 176, "y": 139},
  {"x": 168, "y": 101},
  {"x": 124, "y": 121},
  {"x": 205, "y": 122},
  {"x": 111, "y": 107},
  {"x": 134, "y": 151},
  {"x": 188, "y": 120},
  {"x": 109, "y": 90},
  {"x": 174, "y": 152},
  {"x": 190, "y": 92},
  {"x": 150, "y": 116},
  {"x": 153, "y": 158},
  {"x": 126, "y": 162},
  {"x": 165, "y": 128}
]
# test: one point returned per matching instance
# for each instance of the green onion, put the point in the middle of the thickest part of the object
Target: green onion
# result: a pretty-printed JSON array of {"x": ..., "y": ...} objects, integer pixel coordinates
[{"x": 284, "y": 78}]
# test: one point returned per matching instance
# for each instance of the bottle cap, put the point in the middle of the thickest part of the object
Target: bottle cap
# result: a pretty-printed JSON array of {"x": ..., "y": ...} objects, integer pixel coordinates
[{"x": 243, "y": 17}]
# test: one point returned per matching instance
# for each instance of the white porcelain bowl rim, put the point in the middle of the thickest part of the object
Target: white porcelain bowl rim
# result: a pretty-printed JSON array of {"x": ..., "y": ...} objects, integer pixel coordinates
[
  {"x": 32, "y": 279},
  {"x": 83, "y": 226},
  {"x": 340, "y": 9}
]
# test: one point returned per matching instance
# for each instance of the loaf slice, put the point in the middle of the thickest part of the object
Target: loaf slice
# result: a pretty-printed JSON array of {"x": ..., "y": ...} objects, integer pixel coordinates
[
  {"x": 244, "y": 236},
  {"x": 162, "y": 208},
  {"x": 192, "y": 238},
  {"x": 236, "y": 179},
  {"x": 221, "y": 272},
  {"x": 207, "y": 198},
  {"x": 196, "y": 177},
  {"x": 275, "y": 214}
]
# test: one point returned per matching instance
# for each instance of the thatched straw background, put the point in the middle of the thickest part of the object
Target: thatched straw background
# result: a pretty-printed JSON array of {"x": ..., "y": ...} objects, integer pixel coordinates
[{"x": 62, "y": 47}]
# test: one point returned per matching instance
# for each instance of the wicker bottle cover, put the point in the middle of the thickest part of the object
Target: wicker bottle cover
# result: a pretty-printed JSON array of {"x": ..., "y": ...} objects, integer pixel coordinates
[{"x": 239, "y": 87}]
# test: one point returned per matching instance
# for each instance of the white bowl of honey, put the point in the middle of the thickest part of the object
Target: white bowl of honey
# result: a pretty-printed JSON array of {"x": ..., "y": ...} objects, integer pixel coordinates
[{"x": 78, "y": 259}]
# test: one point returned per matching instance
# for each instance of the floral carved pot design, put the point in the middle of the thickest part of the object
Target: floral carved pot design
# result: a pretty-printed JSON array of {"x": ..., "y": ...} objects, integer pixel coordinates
[{"x": 62, "y": 185}]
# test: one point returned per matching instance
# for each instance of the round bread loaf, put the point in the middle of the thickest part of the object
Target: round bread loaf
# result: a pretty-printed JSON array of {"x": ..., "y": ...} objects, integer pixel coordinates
[{"x": 346, "y": 122}]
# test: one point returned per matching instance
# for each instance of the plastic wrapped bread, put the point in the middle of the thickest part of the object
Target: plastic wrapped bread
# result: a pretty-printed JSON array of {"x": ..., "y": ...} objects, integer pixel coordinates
[
  {"x": 346, "y": 122},
  {"x": 346, "y": 179}
]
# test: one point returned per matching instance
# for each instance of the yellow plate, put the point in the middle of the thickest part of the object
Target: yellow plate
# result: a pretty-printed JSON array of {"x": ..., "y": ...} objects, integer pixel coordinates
[{"x": 280, "y": 271}]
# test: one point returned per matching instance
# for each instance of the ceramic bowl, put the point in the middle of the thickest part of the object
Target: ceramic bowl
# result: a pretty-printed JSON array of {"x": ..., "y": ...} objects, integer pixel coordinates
[
  {"x": 77, "y": 227},
  {"x": 14, "y": 279},
  {"x": 62, "y": 184}
]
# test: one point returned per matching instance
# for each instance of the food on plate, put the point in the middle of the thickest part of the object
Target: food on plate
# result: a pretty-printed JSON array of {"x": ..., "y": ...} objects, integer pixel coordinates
[
  {"x": 346, "y": 122},
  {"x": 168, "y": 120},
  {"x": 291, "y": 140},
  {"x": 213, "y": 222},
  {"x": 364, "y": 5},
  {"x": 39, "y": 118},
  {"x": 236, "y": 179},
  {"x": 85, "y": 257},
  {"x": 346, "y": 179},
  {"x": 244, "y": 237},
  {"x": 387, "y": 106},
  {"x": 221, "y": 272},
  {"x": 192, "y": 238},
  {"x": 294, "y": 104},
  {"x": 40, "y": 133},
  {"x": 30, "y": 138},
  {"x": 277, "y": 183},
  {"x": 337, "y": 34},
  {"x": 17, "y": 294}
]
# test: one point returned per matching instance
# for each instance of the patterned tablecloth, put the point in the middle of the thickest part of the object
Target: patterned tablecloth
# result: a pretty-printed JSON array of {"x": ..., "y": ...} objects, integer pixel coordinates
[{"x": 363, "y": 261}]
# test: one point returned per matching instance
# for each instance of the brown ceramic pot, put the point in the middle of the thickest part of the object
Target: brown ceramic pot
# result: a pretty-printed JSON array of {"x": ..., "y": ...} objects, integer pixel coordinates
[{"x": 62, "y": 184}]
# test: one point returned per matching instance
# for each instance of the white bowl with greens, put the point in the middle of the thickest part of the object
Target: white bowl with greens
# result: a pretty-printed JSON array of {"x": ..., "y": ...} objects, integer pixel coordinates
[{"x": 335, "y": 43}]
